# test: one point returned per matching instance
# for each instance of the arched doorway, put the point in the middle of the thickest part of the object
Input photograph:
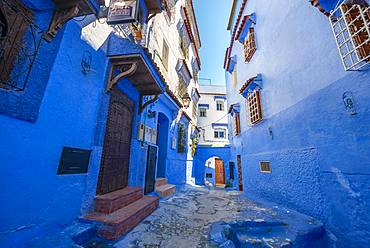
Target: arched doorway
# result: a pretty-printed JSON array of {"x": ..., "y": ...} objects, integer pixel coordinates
[
  {"x": 163, "y": 128},
  {"x": 215, "y": 172}
]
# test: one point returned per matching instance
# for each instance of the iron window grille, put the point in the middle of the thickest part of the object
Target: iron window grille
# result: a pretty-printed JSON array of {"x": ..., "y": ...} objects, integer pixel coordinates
[
  {"x": 265, "y": 167},
  {"x": 250, "y": 46},
  {"x": 351, "y": 27},
  {"x": 184, "y": 44},
  {"x": 254, "y": 106},
  {"x": 182, "y": 87},
  {"x": 181, "y": 139},
  {"x": 19, "y": 44}
]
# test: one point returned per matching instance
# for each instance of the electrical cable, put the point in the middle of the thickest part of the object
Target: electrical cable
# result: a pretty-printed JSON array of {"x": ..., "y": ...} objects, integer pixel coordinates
[{"x": 215, "y": 121}]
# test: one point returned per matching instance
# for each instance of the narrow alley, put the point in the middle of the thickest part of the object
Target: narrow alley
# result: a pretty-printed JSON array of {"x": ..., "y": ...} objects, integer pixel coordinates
[{"x": 184, "y": 124}]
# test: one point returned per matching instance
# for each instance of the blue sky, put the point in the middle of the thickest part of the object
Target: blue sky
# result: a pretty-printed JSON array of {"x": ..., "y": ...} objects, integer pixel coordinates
[{"x": 212, "y": 17}]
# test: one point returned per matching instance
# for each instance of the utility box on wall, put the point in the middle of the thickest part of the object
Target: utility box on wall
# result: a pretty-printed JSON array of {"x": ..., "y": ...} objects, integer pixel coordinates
[{"x": 74, "y": 161}]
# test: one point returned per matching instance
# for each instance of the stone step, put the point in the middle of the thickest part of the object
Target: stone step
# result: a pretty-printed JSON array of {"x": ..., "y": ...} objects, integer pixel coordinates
[
  {"x": 115, "y": 200},
  {"x": 116, "y": 224},
  {"x": 160, "y": 181},
  {"x": 166, "y": 190}
]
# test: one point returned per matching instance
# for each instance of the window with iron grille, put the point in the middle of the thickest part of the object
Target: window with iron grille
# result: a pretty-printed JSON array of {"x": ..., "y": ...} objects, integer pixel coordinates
[
  {"x": 182, "y": 87},
  {"x": 181, "y": 139},
  {"x": 19, "y": 43},
  {"x": 351, "y": 27},
  {"x": 237, "y": 129},
  {"x": 202, "y": 112},
  {"x": 184, "y": 44},
  {"x": 250, "y": 45},
  {"x": 265, "y": 167},
  {"x": 220, "y": 106},
  {"x": 254, "y": 106},
  {"x": 165, "y": 53}
]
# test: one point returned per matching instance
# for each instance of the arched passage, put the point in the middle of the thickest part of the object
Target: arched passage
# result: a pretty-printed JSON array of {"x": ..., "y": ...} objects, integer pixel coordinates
[{"x": 204, "y": 154}]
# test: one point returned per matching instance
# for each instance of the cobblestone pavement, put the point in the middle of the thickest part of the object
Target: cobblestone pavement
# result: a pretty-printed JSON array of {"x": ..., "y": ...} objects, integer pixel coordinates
[{"x": 184, "y": 219}]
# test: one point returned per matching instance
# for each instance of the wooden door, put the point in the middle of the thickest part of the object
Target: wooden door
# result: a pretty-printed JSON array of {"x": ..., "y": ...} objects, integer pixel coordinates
[
  {"x": 219, "y": 171},
  {"x": 117, "y": 144},
  {"x": 240, "y": 173},
  {"x": 150, "y": 169}
]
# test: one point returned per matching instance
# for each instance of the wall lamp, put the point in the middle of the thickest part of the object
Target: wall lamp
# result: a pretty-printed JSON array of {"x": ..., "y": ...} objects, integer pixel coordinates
[{"x": 186, "y": 100}]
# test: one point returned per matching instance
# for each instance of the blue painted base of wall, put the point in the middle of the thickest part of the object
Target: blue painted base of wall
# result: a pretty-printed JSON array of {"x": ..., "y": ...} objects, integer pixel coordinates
[{"x": 320, "y": 159}]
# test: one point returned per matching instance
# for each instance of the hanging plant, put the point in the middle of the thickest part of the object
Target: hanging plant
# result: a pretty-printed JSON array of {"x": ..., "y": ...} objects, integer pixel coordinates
[{"x": 194, "y": 146}]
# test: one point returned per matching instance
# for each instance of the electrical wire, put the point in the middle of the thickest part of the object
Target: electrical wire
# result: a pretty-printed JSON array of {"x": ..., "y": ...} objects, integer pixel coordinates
[{"x": 215, "y": 121}]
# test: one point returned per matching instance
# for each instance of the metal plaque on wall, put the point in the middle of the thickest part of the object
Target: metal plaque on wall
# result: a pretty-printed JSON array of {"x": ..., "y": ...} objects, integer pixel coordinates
[
  {"x": 122, "y": 11},
  {"x": 74, "y": 161}
]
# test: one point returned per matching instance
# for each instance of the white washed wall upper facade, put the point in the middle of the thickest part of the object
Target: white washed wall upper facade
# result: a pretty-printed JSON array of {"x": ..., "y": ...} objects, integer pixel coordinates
[{"x": 296, "y": 56}]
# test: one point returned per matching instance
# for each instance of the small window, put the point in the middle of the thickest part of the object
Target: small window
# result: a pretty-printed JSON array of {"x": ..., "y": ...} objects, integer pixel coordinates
[
  {"x": 235, "y": 78},
  {"x": 249, "y": 46},
  {"x": 202, "y": 112},
  {"x": 220, "y": 134},
  {"x": 265, "y": 167},
  {"x": 237, "y": 129},
  {"x": 220, "y": 105},
  {"x": 254, "y": 104},
  {"x": 165, "y": 52},
  {"x": 182, "y": 87}
]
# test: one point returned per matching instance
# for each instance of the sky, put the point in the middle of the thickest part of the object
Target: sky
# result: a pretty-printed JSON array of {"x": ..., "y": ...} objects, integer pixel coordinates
[{"x": 212, "y": 18}]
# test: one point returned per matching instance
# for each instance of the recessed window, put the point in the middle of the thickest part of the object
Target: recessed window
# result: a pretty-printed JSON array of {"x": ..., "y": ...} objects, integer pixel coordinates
[
  {"x": 250, "y": 46},
  {"x": 237, "y": 129},
  {"x": 254, "y": 105},
  {"x": 220, "y": 105},
  {"x": 182, "y": 87},
  {"x": 165, "y": 52},
  {"x": 202, "y": 112},
  {"x": 220, "y": 134},
  {"x": 265, "y": 167}
]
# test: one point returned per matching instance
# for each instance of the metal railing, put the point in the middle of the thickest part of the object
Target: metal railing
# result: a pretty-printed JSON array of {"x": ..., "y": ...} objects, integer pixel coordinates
[{"x": 19, "y": 45}]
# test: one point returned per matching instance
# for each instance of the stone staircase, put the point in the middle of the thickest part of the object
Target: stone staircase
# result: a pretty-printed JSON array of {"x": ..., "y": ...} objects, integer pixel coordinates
[
  {"x": 120, "y": 211},
  {"x": 164, "y": 189}
]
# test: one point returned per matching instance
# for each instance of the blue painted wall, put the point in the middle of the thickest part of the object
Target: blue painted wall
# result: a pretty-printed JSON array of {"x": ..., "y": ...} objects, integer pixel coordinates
[
  {"x": 34, "y": 197},
  {"x": 319, "y": 153},
  {"x": 62, "y": 107}
]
